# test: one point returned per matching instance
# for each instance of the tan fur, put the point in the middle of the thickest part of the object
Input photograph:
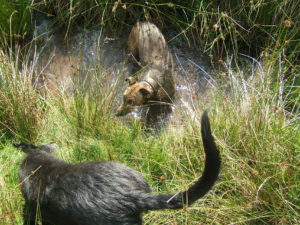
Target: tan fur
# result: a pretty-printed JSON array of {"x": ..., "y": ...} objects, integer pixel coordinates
[
  {"x": 155, "y": 83},
  {"x": 147, "y": 42}
]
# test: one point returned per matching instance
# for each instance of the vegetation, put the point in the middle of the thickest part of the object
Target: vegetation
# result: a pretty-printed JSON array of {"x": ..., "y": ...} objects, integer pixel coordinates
[{"x": 254, "y": 107}]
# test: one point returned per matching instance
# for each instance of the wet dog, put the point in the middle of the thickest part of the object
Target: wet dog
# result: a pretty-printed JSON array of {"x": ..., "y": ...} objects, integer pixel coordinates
[
  {"x": 154, "y": 85},
  {"x": 101, "y": 193}
]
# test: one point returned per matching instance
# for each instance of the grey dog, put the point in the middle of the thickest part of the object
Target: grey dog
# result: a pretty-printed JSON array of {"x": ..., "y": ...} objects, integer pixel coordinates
[{"x": 107, "y": 193}]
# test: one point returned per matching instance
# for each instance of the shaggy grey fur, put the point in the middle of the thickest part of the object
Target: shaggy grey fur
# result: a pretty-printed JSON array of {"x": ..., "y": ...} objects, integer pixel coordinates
[{"x": 96, "y": 193}]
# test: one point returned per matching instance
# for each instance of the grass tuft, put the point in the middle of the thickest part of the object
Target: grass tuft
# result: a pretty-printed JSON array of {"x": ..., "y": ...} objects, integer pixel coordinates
[{"x": 22, "y": 110}]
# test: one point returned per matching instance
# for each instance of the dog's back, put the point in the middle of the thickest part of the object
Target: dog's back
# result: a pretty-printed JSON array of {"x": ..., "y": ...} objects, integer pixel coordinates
[
  {"x": 148, "y": 47},
  {"x": 147, "y": 44},
  {"x": 81, "y": 194}
]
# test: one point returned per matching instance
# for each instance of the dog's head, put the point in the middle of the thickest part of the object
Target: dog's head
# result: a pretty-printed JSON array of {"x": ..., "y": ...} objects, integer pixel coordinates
[
  {"x": 28, "y": 148},
  {"x": 135, "y": 95}
]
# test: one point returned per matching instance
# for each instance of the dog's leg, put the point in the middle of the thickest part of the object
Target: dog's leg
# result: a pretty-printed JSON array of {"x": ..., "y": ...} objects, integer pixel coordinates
[
  {"x": 29, "y": 216},
  {"x": 157, "y": 116}
]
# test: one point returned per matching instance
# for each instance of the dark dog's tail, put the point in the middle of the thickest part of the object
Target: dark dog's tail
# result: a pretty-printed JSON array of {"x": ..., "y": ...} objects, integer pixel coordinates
[{"x": 198, "y": 189}]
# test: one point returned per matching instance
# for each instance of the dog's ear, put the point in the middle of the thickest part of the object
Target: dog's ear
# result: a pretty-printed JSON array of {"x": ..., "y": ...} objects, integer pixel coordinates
[
  {"x": 145, "y": 92},
  {"x": 27, "y": 148},
  {"x": 131, "y": 80}
]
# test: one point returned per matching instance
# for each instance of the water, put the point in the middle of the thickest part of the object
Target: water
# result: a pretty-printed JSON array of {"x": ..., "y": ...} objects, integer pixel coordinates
[{"x": 61, "y": 61}]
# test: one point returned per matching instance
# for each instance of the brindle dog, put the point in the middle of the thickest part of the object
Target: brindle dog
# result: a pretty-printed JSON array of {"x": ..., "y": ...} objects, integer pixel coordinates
[
  {"x": 101, "y": 193},
  {"x": 154, "y": 85}
]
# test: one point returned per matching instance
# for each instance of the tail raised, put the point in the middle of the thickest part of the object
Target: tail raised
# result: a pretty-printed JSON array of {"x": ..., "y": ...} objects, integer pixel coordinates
[{"x": 201, "y": 186}]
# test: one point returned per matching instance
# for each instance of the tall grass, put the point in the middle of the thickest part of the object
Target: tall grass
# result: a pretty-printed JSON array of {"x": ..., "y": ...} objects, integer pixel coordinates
[
  {"x": 15, "y": 22},
  {"x": 257, "y": 137},
  {"x": 260, "y": 141},
  {"x": 217, "y": 27},
  {"x": 92, "y": 102},
  {"x": 21, "y": 108}
]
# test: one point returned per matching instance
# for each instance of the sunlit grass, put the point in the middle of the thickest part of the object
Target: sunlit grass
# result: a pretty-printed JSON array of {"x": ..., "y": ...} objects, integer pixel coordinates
[{"x": 21, "y": 108}]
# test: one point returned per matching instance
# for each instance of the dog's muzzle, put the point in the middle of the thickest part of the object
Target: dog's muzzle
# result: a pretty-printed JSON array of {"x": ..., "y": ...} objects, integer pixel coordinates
[{"x": 123, "y": 110}]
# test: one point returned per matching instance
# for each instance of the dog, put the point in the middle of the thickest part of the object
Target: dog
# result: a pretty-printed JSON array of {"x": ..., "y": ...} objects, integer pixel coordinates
[
  {"x": 154, "y": 86},
  {"x": 101, "y": 193}
]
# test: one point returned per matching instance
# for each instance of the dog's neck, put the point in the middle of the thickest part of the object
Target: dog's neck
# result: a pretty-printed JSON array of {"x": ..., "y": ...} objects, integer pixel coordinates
[{"x": 150, "y": 82}]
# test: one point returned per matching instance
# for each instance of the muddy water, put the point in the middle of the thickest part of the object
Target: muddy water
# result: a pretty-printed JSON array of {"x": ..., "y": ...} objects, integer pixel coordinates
[{"x": 61, "y": 61}]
